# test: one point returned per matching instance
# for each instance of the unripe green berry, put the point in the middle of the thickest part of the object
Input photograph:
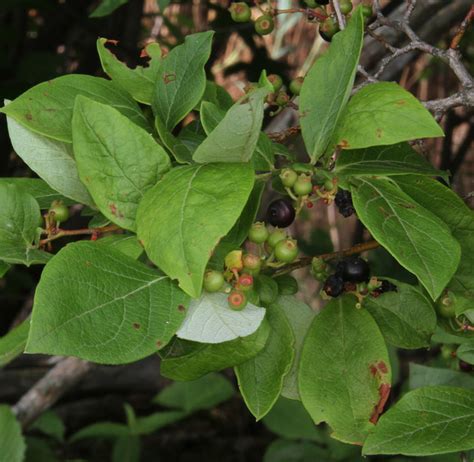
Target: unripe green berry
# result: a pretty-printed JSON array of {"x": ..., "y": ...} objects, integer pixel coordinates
[
  {"x": 346, "y": 6},
  {"x": 296, "y": 84},
  {"x": 328, "y": 29},
  {"x": 252, "y": 264},
  {"x": 59, "y": 212},
  {"x": 233, "y": 260},
  {"x": 213, "y": 281},
  {"x": 446, "y": 307},
  {"x": 240, "y": 12},
  {"x": 237, "y": 300},
  {"x": 303, "y": 185},
  {"x": 276, "y": 81},
  {"x": 275, "y": 237},
  {"x": 367, "y": 11},
  {"x": 258, "y": 233},
  {"x": 264, "y": 24},
  {"x": 286, "y": 250},
  {"x": 329, "y": 185},
  {"x": 288, "y": 177},
  {"x": 318, "y": 265},
  {"x": 282, "y": 98}
]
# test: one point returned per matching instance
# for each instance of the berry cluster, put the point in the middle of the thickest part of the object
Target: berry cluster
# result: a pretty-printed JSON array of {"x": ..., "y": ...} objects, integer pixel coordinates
[
  {"x": 351, "y": 275},
  {"x": 240, "y": 12},
  {"x": 343, "y": 201}
]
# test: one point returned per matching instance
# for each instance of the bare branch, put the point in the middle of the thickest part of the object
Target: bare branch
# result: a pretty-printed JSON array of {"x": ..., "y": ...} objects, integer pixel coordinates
[{"x": 49, "y": 389}]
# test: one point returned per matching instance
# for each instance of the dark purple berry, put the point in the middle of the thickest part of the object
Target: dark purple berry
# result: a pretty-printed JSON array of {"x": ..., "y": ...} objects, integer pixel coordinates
[
  {"x": 353, "y": 269},
  {"x": 334, "y": 285},
  {"x": 465, "y": 367},
  {"x": 387, "y": 286},
  {"x": 281, "y": 213},
  {"x": 343, "y": 201}
]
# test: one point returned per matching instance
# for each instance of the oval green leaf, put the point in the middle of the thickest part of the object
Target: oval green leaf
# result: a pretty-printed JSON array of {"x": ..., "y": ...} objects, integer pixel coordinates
[
  {"x": 117, "y": 160},
  {"x": 96, "y": 303},
  {"x": 344, "y": 373},
  {"x": 182, "y": 218}
]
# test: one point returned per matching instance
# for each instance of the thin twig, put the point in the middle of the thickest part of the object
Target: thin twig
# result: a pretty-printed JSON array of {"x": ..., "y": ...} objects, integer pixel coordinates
[
  {"x": 462, "y": 29},
  {"x": 78, "y": 232},
  {"x": 306, "y": 261},
  {"x": 49, "y": 389},
  {"x": 340, "y": 17}
]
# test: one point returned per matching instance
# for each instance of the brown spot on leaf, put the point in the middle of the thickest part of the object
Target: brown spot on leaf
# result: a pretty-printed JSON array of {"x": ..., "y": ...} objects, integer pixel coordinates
[
  {"x": 28, "y": 116},
  {"x": 344, "y": 144},
  {"x": 382, "y": 367},
  {"x": 168, "y": 78},
  {"x": 159, "y": 343},
  {"x": 400, "y": 102},
  {"x": 181, "y": 308},
  {"x": 113, "y": 209},
  {"x": 136, "y": 325},
  {"x": 88, "y": 263},
  {"x": 384, "y": 392},
  {"x": 379, "y": 133},
  {"x": 406, "y": 205}
]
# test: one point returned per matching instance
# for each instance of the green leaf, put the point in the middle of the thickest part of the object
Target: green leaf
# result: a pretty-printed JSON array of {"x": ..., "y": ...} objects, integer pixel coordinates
[
  {"x": 176, "y": 146},
  {"x": 126, "y": 449},
  {"x": 39, "y": 450},
  {"x": 39, "y": 189},
  {"x": 47, "y": 108},
  {"x": 263, "y": 158},
  {"x": 344, "y": 374},
  {"x": 204, "y": 393},
  {"x": 261, "y": 378},
  {"x": 140, "y": 81},
  {"x": 13, "y": 343},
  {"x": 211, "y": 115},
  {"x": 127, "y": 244},
  {"x": 300, "y": 317},
  {"x": 100, "y": 305},
  {"x": 289, "y": 419},
  {"x": 424, "y": 376},
  {"x": 426, "y": 421},
  {"x": 327, "y": 87},
  {"x": 153, "y": 422},
  {"x": 417, "y": 238},
  {"x": 52, "y": 160},
  {"x": 4, "y": 267},
  {"x": 397, "y": 159},
  {"x": 211, "y": 320},
  {"x": 406, "y": 317},
  {"x": 11, "y": 439},
  {"x": 117, "y": 160},
  {"x": 181, "y": 79},
  {"x": 383, "y": 113},
  {"x": 101, "y": 430},
  {"x": 191, "y": 136},
  {"x": 466, "y": 352},
  {"x": 235, "y": 137},
  {"x": 295, "y": 451},
  {"x": 107, "y": 7},
  {"x": 20, "y": 218},
  {"x": 50, "y": 424},
  {"x": 182, "y": 218},
  {"x": 217, "y": 95},
  {"x": 451, "y": 209},
  {"x": 185, "y": 360}
]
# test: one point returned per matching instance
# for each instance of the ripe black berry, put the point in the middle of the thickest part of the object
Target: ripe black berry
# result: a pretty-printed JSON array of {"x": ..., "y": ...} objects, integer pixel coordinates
[
  {"x": 386, "y": 286},
  {"x": 353, "y": 269},
  {"x": 281, "y": 213},
  {"x": 334, "y": 285},
  {"x": 343, "y": 201},
  {"x": 465, "y": 367}
]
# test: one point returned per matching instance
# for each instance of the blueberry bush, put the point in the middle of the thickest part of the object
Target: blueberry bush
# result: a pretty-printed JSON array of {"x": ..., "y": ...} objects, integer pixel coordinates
[{"x": 171, "y": 172}]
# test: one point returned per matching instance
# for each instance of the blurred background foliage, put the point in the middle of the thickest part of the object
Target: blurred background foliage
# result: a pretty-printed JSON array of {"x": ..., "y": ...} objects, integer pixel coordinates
[{"x": 42, "y": 39}]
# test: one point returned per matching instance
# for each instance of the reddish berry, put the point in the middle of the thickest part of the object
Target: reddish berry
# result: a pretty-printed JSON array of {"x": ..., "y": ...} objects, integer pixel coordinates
[
  {"x": 237, "y": 300},
  {"x": 245, "y": 282}
]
